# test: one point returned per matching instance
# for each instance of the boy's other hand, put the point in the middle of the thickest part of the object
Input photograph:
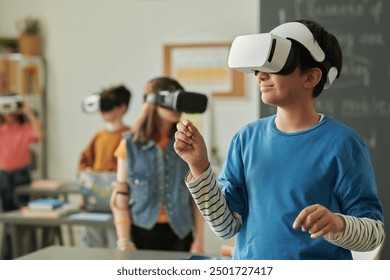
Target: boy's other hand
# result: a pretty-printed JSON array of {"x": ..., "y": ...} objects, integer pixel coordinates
[{"x": 319, "y": 221}]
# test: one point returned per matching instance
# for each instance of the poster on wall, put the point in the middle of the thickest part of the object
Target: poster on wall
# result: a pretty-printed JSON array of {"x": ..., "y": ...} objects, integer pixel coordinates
[{"x": 203, "y": 68}]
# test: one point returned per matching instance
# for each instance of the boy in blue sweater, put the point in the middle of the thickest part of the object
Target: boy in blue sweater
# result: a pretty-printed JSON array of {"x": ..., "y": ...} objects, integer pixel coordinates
[{"x": 296, "y": 185}]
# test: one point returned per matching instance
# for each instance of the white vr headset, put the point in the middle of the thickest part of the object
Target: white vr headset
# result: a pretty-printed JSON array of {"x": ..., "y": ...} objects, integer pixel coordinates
[
  {"x": 10, "y": 103},
  {"x": 91, "y": 104},
  {"x": 273, "y": 52}
]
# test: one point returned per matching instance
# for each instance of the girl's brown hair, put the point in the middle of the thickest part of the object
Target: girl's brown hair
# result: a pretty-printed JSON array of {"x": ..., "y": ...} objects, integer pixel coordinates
[{"x": 146, "y": 127}]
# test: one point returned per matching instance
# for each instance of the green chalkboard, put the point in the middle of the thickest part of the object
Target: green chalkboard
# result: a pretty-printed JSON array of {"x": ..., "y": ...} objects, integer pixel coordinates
[{"x": 360, "y": 98}]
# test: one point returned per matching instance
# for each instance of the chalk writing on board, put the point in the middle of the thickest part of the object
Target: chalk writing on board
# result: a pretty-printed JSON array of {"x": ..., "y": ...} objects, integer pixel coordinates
[
  {"x": 372, "y": 139},
  {"x": 357, "y": 68},
  {"x": 369, "y": 39},
  {"x": 355, "y": 107},
  {"x": 342, "y": 10},
  {"x": 372, "y": 39},
  {"x": 326, "y": 105},
  {"x": 369, "y": 106}
]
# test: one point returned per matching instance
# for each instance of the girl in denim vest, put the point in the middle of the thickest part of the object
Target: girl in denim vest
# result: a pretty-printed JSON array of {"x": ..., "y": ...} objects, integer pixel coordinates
[{"x": 151, "y": 205}]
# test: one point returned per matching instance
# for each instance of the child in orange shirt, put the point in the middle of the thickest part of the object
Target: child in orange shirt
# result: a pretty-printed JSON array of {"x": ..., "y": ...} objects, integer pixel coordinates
[{"x": 98, "y": 156}]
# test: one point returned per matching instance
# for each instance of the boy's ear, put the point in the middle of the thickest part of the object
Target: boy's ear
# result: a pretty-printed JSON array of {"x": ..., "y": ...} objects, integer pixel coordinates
[{"x": 313, "y": 77}]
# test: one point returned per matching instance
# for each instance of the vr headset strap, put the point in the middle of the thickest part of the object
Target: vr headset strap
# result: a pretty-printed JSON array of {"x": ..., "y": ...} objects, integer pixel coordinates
[{"x": 150, "y": 98}]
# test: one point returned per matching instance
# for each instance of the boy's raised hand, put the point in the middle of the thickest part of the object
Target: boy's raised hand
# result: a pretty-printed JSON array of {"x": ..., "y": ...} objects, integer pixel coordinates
[{"x": 190, "y": 146}]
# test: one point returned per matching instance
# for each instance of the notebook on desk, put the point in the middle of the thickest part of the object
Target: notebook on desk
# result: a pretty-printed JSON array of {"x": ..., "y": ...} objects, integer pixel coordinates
[{"x": 95, "y": 188}]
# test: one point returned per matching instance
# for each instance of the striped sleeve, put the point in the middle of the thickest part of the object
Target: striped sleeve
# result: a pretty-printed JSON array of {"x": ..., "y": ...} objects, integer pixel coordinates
[
  {"x": 208, "y": 197},
  {"x": 360, "y": 234}
]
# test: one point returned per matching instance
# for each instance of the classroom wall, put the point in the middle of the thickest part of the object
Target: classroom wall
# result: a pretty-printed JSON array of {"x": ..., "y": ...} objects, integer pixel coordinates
[{"x": 91, "y": 44}]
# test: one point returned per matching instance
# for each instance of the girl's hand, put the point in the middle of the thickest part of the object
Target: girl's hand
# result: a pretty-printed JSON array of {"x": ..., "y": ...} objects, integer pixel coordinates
[{"x": 196, "y": 249}]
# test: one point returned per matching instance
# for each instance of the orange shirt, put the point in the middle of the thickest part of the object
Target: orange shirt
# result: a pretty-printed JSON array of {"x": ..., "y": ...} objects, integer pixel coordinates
[
  {"x": 162, "y": 143},
  {"x": 99, "y": 154}
]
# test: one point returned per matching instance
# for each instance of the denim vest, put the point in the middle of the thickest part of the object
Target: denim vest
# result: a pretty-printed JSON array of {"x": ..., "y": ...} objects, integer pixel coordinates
[{"x": 156, "y": 178}]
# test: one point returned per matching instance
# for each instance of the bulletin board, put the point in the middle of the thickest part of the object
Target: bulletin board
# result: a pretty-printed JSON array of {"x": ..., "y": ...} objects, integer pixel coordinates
[{"x": 203, "y": 68}]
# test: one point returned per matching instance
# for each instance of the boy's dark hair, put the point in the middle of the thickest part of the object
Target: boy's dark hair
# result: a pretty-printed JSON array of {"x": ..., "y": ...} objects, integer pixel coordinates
[
  {"x": 119, "y": 94},
  {"x": 329, "y": 44}
]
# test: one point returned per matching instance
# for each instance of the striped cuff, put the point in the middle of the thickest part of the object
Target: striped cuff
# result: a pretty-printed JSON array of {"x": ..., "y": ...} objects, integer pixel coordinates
[
  {"x": 191, "y": 181},
  {"x": 360, "y": 234}
]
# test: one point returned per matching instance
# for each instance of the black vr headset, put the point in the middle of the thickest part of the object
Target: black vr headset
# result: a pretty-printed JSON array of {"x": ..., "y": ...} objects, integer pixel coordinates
[
  {"x": 179, "y": 101},
  {"x": 10, "y": 103},
  {"x": 97, "y": 102},
  {"x": 274, "y": 52}
]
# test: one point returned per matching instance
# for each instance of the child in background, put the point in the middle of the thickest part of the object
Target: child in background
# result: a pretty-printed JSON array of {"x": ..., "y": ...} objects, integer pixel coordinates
[
  {"x": 18, "y": 130},
  {"x": 151, "y": 205},
  {"x": 98, "y": 156}
]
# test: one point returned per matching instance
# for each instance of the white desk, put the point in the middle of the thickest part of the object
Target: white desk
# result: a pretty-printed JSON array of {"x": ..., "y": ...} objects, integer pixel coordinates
[
  {"x": 77, "y": 253},
  {"x": 12, "y": 221}
]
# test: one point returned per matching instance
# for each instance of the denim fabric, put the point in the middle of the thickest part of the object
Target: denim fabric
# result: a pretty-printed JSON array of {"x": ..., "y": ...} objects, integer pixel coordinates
[
  {"x": 156, "y": 178},
  {"x": 9, "y": 181}
]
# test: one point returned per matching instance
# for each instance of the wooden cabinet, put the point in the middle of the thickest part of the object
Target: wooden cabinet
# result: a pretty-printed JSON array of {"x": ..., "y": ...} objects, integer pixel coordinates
[{"x": 21, "y": 74}]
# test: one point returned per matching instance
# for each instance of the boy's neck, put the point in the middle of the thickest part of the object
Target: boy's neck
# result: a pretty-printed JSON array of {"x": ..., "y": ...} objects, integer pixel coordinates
[
  {"x": 113, "y": 126},
  {"x": 298, "y": 121}
]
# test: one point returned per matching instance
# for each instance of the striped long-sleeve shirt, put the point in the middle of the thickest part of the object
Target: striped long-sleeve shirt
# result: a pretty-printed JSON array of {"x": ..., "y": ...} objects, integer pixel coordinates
[{"x": 360, "y": 234}]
